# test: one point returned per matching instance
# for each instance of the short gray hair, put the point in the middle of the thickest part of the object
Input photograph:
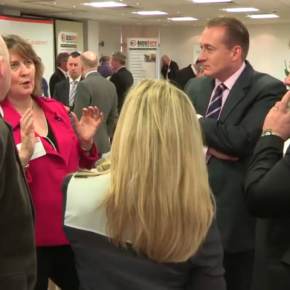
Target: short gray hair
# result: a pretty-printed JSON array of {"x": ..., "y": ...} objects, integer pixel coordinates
[
  {"x": 120, "y": 56},
  {"x": 63, "y": 56}
]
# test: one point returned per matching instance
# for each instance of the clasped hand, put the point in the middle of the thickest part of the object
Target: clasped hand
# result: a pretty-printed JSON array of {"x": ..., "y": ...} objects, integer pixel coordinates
[{"x": 87, "y": 126}]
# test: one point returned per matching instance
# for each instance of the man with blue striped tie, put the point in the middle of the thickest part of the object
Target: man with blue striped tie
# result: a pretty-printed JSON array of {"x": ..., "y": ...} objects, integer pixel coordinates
[
  {"x": 232, "y": 101},
  {"x": 65, "y": 90}
]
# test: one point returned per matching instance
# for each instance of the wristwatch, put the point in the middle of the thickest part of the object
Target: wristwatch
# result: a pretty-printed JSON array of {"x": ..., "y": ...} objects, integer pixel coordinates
[{"x": 268, "y": 133}]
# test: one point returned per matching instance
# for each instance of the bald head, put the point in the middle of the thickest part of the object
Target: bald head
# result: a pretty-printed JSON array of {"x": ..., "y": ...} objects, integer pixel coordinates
[
  {"x": 89, "y": 60},
  {"x": 3, "y": 49},
  {"x": 165, "y": 59}
]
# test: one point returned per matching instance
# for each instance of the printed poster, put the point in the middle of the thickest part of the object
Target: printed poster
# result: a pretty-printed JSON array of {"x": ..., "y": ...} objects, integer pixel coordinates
[
  {"x": 67, "y": 42},
  {"x": 143, "y": 58}
]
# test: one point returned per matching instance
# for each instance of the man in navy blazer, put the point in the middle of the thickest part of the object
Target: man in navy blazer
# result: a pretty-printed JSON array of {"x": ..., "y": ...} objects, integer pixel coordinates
[{"x": 65, "y": 90}]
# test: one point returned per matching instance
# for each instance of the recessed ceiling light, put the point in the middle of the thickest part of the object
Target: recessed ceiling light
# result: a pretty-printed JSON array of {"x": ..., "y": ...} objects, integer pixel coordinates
[
  {"x": 261, "y": 16},
  {"x": 150, "y": 13},
  {"x": 178, "y": 12},
  {"x": 107, "y": 4},
  {"x": 182, "y": 19},
  {"x": 137, "y": 3},
  {"x": 74, "y": 6},
  {"x": 211, "y": 1},
  {"x": 247, "y": 9}
]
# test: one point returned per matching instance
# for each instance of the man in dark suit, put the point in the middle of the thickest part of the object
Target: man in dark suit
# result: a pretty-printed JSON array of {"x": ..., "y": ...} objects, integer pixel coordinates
[
  {"x": 231, "y": 102},
  {"x": 97, "y": 91},
  {"x": 17, "y": 250},
  {"x": 65, "y": 90},
  {"x": 61, "y": 71},
  {"x": 169, "y": 68},
  {"x": 184, "y": 75},
  {"x": 121, "y": 78}
]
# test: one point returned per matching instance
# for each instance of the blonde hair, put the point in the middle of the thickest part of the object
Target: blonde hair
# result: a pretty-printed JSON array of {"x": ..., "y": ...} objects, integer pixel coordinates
[{"x": 159, "y": 199}]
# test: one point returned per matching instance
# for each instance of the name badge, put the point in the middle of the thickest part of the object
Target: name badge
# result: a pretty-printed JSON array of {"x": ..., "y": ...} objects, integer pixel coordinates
[{"x": 39, "y": 150}]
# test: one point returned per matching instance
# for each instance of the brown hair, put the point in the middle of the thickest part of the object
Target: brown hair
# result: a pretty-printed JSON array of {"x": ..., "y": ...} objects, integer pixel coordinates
[
  {"x": 237, "y": 33},
  {"x": 63, "y": 56},
  {"x": 119, "y": 56},
  {"x": 105, "y": 59},
  {"x": 23, "y": 48}
]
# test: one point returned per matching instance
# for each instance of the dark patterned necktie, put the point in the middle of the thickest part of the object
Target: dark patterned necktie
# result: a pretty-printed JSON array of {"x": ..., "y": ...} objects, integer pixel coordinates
[{"x": 215, "y": 105}]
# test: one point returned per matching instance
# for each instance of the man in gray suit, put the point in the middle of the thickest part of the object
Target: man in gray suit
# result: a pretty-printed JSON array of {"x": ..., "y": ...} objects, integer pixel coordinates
[
  {"x": 17, "y": 245},
  {"x": 97, "y": 91},
  {"x": 232, "y": 101}
]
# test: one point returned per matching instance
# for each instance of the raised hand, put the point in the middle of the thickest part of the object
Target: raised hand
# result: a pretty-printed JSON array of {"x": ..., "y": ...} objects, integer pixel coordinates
[
  {"x": 278, "y": 118},
  {"x": 87, "y": 126},
  {"x": 27, "y": 137}
]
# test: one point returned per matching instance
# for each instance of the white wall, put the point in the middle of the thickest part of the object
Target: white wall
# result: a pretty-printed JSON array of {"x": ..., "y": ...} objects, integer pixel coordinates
[
  {"x": 111, "y": 35},
  {"x": 91, "y": 36},
  {"x": 268, "y": 48}
]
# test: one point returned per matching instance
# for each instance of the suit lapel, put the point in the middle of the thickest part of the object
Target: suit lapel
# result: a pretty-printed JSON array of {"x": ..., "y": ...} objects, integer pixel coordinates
[
  {"x": 66, "y": 92},
  {"x": 205, "y": 92},
  {"x": 238, "y": 92}
]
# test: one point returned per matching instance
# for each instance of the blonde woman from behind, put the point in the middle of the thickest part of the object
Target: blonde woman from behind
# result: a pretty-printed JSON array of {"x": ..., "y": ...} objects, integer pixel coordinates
[{"x": 147, "y": 220}]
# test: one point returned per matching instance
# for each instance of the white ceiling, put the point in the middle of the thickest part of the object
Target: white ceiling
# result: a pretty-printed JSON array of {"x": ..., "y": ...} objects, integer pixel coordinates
[{"x": 74, "y": 10}]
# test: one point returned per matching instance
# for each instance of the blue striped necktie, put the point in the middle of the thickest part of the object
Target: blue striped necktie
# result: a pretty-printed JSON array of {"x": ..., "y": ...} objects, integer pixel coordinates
[
  {"x": 215, "y": 106},
  {"x": 73, "y": 93}
]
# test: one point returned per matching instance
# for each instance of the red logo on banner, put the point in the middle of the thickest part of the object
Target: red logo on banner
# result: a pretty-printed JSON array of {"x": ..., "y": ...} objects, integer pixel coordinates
[
  {"x": 63, "y": 37},
  {"x": 133, "y": 42}
]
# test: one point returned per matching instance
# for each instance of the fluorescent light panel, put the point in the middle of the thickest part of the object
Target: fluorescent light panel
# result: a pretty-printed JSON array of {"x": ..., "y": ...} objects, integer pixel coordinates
[
  {"x": 150, "y": 13},
  {"x": 211, "y": 1},
  {"x": 246, "y": 9},
  {"x": 182, "y": 19},
  {"x": 106, "y": 4},
  {"x": 262, "y": 16}
]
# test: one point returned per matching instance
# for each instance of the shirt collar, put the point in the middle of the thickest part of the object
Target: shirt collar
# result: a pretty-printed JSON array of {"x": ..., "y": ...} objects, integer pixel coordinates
[
  {"x": 119, "y": 68},
  {"x": 229, "y": 83},
  {"x": 1, "y": 112},
  {"x": 194, "y": 69},
  {"x": 64, "y": 72},
  {"x": 90, "y": 72},
  {"x": 76, "y": 80}
]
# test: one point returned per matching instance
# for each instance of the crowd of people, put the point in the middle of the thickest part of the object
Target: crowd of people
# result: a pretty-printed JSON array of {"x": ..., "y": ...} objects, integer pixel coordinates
[{"x": 192, "y": 196}]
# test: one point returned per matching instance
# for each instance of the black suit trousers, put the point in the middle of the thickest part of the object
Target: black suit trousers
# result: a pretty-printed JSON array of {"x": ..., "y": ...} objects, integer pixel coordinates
[{"x": 239, "y": 270}]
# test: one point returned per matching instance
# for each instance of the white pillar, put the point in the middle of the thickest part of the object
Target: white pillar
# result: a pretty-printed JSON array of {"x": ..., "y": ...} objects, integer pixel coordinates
[{"x": 91, "y": 36}]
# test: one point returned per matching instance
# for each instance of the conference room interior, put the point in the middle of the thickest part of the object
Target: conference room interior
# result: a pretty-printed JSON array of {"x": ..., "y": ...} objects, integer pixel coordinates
[{"x": 176, "y": 26}]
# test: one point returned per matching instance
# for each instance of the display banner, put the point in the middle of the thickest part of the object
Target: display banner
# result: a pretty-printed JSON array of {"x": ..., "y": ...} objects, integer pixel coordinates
[
  {"x": 67, "y": 42},
  {"x": 143, "y": 54}
]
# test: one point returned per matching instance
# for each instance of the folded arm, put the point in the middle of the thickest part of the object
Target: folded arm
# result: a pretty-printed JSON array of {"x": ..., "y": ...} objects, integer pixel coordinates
[
  {"x": 267, "y": 187},
  {"x": 239, "y": 140}
]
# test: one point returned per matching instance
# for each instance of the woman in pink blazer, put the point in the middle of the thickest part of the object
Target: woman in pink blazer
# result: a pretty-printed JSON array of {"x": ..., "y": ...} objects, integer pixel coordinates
[{"x": 49, "y": 150}]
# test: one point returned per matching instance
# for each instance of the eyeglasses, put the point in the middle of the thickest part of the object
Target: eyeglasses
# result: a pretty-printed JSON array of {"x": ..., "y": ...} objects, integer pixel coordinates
[{"x": 15, "y": 65}]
